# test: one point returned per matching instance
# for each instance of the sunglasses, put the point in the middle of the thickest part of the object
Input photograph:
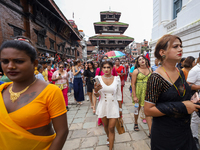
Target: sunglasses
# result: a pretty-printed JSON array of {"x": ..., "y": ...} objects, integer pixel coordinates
[
  {"x": 61, "y": 67},
  {"x": 105, "y": 60}
]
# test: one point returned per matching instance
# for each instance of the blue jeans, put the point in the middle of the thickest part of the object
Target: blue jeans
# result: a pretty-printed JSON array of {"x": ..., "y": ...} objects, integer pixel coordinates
[{"x": 70, "y": 86}]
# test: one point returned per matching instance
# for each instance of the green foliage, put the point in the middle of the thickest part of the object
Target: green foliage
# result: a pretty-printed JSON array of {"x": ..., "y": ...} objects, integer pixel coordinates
[
  {"x": 110, "y": 37},
  {"x": 111, "y": 23}
]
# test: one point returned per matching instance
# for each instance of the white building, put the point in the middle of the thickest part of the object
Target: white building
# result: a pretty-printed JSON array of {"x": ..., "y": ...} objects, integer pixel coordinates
[{"x": 177, "y": 17}]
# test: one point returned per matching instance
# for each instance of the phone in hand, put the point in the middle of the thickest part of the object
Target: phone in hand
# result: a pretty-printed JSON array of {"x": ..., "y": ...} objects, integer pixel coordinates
[
  {"x": 96, "y": 80},
  {"x": 195, "y": 98}
]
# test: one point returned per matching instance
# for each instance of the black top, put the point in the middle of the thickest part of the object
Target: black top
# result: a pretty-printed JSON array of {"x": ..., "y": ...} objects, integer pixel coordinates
[
  {"x": 90, "y": 75},
  {"x": 172, "y": 131}
]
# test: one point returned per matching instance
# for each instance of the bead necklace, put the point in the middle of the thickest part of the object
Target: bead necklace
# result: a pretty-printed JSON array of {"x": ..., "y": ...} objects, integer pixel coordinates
[
  {"x": 174, "y": 84},
  {"x": 14, "y": 96}
]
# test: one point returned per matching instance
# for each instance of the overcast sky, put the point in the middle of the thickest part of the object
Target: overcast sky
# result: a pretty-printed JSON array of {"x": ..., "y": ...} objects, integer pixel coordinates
[{"x": 137, "y": 13}]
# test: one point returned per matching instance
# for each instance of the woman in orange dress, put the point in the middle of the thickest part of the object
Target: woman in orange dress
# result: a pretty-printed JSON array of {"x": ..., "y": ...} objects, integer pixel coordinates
[
  {"x": 121, "y": 72},
  {"x": 188, "y": 64},
  {"x": 28, "y": 105}
]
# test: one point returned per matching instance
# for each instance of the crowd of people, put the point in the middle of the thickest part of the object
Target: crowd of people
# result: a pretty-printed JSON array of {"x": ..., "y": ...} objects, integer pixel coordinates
[{"x": 161, "y": 94}]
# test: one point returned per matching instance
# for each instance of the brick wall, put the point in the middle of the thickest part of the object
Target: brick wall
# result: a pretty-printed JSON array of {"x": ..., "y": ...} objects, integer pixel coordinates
[{"x": 7, "y": 15}]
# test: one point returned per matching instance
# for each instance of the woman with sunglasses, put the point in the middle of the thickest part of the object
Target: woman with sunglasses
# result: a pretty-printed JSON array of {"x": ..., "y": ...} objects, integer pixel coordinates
[
  {"x": 61, "y": 80},
  {"x": 29, "y": 106}
]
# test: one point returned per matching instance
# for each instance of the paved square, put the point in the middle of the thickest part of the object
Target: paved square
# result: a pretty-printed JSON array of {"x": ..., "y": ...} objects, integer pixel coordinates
[{"x": 85, "y": 134}]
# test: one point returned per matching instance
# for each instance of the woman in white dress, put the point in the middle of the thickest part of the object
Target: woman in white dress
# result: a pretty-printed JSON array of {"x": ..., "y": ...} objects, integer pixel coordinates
[{"x": 110, "y": 106}]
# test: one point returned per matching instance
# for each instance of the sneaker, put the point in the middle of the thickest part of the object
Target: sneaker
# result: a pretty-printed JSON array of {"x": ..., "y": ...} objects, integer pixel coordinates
[
  {"x": 197, "y": 143},
  {"x": 87, "y": 98}
]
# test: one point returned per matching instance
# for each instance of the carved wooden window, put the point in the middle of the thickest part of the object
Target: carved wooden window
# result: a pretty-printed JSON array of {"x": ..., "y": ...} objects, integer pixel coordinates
[
  {"x": 58, "y": 47},
  {"x": 51, "y": 43},
  {"x": 111, "y": 28},
  {"x": 63, "y": 46},
  {"x": 16, "y": 30},
  {"x": 41, "y": 37},
  {"x": 110, "y": 16}
]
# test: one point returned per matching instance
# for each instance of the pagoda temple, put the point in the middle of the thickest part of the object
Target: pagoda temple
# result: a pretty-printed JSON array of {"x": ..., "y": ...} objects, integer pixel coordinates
[{"x": 109, "y": 32}]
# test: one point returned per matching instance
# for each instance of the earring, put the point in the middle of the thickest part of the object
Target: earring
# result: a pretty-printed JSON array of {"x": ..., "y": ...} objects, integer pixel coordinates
[
  {"x": 36, "y": 71},
  {"x": 163, "y": 57}
]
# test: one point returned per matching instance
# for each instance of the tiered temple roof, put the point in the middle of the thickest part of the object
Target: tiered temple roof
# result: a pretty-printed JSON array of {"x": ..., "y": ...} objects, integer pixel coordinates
[{"x": 110, "y": 32}]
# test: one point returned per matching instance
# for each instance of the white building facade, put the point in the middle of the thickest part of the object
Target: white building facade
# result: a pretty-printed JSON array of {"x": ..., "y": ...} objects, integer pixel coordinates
[{"x": 177, "y": 17}]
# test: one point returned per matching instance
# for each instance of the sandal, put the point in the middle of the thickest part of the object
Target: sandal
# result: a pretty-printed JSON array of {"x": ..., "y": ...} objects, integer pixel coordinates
[
  {"x": 94, "y": 111},
  {"x": 136, "y": 127}
]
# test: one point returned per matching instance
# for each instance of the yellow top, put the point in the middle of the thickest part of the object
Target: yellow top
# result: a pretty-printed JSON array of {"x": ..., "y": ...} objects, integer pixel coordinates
[{"x": 39, "y": 112}]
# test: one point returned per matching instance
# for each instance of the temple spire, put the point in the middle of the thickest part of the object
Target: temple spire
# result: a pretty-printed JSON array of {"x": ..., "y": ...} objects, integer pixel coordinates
[{"x": 109, "y": 8}]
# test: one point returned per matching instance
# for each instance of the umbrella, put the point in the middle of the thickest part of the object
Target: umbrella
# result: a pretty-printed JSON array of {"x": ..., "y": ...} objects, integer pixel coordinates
[{"x": 114, "y": 54}]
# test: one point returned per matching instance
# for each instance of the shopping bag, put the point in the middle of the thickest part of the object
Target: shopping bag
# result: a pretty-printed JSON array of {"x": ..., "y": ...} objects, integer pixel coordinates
[{"x": 120, "y": 126}]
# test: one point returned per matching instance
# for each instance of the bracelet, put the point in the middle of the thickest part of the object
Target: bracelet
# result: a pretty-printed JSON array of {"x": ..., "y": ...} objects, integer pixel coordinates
[
  {"x": 120, "y": 109},
  {"x": 96, "y": 92}
]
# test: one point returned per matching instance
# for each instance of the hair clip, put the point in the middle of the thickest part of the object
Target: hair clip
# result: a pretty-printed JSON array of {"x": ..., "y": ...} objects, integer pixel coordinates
[{"x": 21, "y": 39}]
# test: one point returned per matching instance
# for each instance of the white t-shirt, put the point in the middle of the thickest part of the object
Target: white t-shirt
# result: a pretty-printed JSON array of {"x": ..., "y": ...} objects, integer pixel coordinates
[
  {"x": 70, "y": 76},
  {"x": 194, "y": 75},
  {"x": 40, "y": 76}
]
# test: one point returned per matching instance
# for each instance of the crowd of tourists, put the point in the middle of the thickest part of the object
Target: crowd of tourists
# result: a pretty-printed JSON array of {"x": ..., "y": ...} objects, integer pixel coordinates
[{"x": 35, "y": 89}]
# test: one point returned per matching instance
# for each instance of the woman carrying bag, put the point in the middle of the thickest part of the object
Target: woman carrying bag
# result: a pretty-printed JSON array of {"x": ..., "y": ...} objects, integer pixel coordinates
[{"x": 109, "y": 108}]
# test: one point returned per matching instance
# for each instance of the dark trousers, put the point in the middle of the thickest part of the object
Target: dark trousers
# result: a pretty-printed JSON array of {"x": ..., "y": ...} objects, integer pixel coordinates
[{"x": 78, "y": 89}]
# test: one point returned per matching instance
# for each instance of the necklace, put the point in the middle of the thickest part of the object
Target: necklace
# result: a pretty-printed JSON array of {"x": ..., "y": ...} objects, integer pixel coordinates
[
  {"x": 14, "y": 96},
  {"x": 107, "y": 77},
  {"x": 174, "y": 84}
]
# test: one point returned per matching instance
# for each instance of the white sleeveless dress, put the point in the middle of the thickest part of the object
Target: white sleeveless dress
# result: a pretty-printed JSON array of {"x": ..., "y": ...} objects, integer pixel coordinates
[{"x": 109, "y": 96}]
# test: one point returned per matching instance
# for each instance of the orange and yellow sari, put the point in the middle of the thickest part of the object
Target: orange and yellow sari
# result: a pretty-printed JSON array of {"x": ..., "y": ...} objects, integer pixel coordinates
[{"x": 14, "y": 137}]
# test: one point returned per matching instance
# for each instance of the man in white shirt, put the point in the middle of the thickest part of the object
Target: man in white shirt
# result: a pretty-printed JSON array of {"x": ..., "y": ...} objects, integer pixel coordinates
[
  {"x": 194, "y": 81},
  {"x": 70, "y": 80}
]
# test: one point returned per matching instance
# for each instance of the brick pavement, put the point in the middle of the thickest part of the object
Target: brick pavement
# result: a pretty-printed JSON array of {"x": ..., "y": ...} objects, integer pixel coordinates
[{"x": 85, "y": 134}]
